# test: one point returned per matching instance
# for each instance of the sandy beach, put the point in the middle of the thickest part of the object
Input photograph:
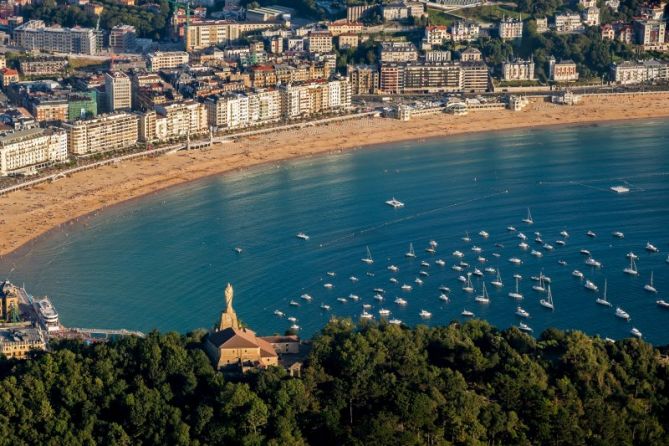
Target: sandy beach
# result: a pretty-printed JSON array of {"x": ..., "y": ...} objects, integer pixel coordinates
[{"x": 27, "y": 214}]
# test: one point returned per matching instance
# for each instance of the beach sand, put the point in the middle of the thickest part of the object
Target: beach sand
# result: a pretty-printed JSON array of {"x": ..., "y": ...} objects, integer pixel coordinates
[{"x": 27, "y": 214}]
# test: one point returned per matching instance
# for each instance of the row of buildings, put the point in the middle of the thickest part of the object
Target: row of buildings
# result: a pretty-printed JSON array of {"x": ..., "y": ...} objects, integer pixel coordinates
[{"x": 24, "y": 150}]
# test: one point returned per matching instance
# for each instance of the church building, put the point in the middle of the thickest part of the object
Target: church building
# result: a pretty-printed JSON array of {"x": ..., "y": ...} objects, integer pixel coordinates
[{"x": 231, "y": 344}]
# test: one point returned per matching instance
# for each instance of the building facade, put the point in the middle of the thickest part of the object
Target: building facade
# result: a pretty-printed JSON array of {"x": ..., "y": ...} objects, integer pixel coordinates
[
  {"x": 518, "y": 70},
  {"x": 398, "y": 52},
  {"x": 510, "y": 28},
  {"x": 28, "y": 149},
  {"x": 35, "y": 35},
  {"x": 629, "y": 73},
  {"x": 19, "y": 342},
  {"x": 242, "y": 110},
  {"x": 563, "y": 71},
  {"x": 167, "y": 59},
  {"x": 364, "y": 79},
  {"x": 118, "y": 90},
  {"x": 105, "y": 133}
]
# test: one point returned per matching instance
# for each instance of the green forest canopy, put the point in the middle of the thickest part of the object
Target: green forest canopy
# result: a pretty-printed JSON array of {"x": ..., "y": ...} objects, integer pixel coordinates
[{"x": 367, "y": 385}]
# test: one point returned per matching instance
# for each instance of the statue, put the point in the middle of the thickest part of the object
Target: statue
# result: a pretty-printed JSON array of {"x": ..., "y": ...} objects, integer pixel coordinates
[
  {"x": 228, "y": 316},
  {"x": 229, "y": 294}
]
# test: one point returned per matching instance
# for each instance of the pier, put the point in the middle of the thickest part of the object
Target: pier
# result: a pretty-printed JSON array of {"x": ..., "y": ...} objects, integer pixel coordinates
[{"x": 105, "y": 332}]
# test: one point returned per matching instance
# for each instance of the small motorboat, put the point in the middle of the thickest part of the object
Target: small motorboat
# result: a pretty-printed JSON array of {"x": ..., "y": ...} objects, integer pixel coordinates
[
  {"x": 564, "y": 234},
  {"x": 591, "y": 234},
  {"x": 342, "y": 300},
  {"x": 366, "y": 306},
  {"x": 456, "y": 268},
  {"x": 294, "y": 303},
  {"x": 292, "y": 319},
  {"x": 467, "y": 313},
  {"x": 444, "y": 289},
  {"x": 585, "y": 252},
  {"x": 622, "y": 314},
  {"x": 331, "y": 273},
  {"x": 328, "y": 286},
  {"x": 406, "y": 287},
  {"x": 425, "y": 314},
  {"x": 524, "y": 246},
  {"x": 354, "y": 297},
  {"x": 662, "y": 303},
  {"x": 490, "y": 270},
  {"x": 366, "y": 315},
  {"x": 423, "y": 273},
  {"x": 401, "y": 302},
  {"x": 477, "y": 249},
  {"x": 384, "y": 312},
  {"x": 393, "y": 268},
  {"x": 353, "y": 279},
  {"x": 458, "y": 254},
  {"x": 238, "y": 250},
  {"x": 379, "y": 290},
  {"x": 378, "y": 297},
  {"x": 520, "y": 312},
  {"x": 294, "y": 327},
  {"x": 279, "y": 313},
  {"x": 325, "y": 307},
  {"x": 477, "y": 272},
  {"x": 425, "y": 264},
  {"x": 536, "y": 253},
  {"x": 440, "y": 262},
  {"x": 393, "y": 280},
  {"x": 592, "y": 262},
  {"x": 481, "y": 259},
  {"x": 636, "y": 333},
  {"x": 524, "y": 327},
  {"x": 418, "y": 281},
  {"x": 443, "y": 297},
  {"x": 306, "y": 297},
  {"x": 394, "y": 203},
  {"x": 515, "y": 260},
  {"x": 522, "y": 236},
  {"x": 395, "y": 322},
  {"x": 562, "y": 262},
  {"x": 590, "y": 286},
  {"x": 651, "y": 248},
  {"x": 618, "y": 234},
  {"x": 548, "y": 247},
  {"x": 484, "y": 234},
  {"x": 560, "y": 242},
  {"x": 511, "y": 228},
  {"x": 302, "y": 235}
]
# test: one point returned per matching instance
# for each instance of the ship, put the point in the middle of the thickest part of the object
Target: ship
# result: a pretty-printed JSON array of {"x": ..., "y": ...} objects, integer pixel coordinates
[{"x": 47, "y": 314}]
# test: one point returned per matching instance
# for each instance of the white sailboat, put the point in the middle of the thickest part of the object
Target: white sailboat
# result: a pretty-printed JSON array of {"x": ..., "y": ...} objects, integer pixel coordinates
[
  {"x": 528, "y": 219},
  {"x": 498, "y": 281},
  {"x": 368, "y": 260},
  {"x": 548, "y": 302},
  {"x": 631, "y": 270},
  {"x": 662, "y": 303},
  {"x": 622, "y": 314},
  {"x": 483, "y": 298},
  {"x": 393, "y": 202},
  {"x": 539, "y": 287},
  {"x": 466, "y": 238},
  {"x": 590, "y": 286},
  {"x": 410, "y": 253},
  {"x": 649, "y": 286},
  {"x": 516, "y": 294},
  {"x": 602, "y": 300},
  {"x": 468, "y": 288}
]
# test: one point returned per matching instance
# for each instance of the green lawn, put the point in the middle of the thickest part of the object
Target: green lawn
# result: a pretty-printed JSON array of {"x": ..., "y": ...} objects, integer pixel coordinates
[
  {"x": 490, "y": 13},
  {"x": 437, "y": 17}
]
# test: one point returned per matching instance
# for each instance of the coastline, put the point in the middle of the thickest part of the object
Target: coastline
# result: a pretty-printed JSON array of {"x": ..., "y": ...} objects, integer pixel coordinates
[{"x": 30, "y": 214}]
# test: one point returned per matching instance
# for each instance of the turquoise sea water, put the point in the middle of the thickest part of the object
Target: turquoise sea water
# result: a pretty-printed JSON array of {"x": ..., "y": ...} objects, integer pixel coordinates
[{"x": 163, "y": 261}]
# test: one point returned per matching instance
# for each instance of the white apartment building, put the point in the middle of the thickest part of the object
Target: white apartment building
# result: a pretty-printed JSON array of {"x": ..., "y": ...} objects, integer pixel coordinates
[
  {"x": 205, "y": 33},
  {"x": 510, "y": 28},
  {"x": 398, "y": 52},
  {"x": 518, "y": 70},
  {"x": 180, "y": 119},
  {"x": 568, "y": 22},
  {"x": 118, "y": 90},
  {"x": 35, "y": 35},
  {"x": 627, "y": 73},
  {"x": 24, "y": 150},
  {"x": 465, "y": 31},
  {"x": 436, "y": 35},
  {"x": 167, "y": 59},
  {"x": 591, "y": 16},
  {"x": 316, "y": 97},
  {"x": 235, "y": 111},
  {"x": 106, "y": 132}
]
